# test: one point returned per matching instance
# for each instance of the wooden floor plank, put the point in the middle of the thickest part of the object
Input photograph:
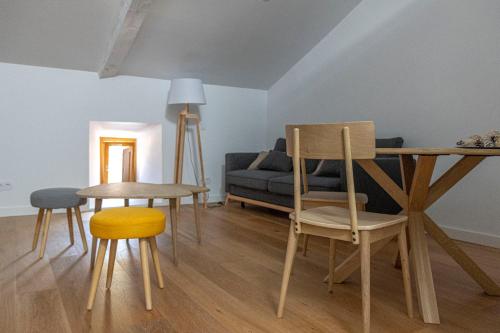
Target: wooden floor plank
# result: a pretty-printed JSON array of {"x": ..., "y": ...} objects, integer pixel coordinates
[{"x": 230, "y": 283}]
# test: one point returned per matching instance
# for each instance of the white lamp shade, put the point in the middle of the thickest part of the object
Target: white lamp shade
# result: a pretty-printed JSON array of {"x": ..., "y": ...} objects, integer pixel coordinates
[{"x": 186, "y": 91}]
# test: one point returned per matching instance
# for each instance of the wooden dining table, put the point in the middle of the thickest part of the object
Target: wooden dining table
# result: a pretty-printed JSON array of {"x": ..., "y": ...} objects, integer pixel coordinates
[
  {"x": 133, "y": 190},
  {"x": 415, "y": 197}
]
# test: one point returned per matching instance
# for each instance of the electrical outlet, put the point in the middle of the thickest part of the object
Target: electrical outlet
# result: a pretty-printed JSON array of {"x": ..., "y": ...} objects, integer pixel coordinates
[
  {"x": 208, "y": 181},
  {"x": 5, "y": 186}
]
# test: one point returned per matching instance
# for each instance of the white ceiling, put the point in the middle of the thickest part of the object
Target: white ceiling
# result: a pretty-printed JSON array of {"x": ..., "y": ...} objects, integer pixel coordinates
[{"x": 243, "y": 43}]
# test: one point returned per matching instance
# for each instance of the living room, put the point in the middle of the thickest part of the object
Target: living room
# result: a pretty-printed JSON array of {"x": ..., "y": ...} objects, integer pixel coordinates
[{"x": 216, "y": 83}]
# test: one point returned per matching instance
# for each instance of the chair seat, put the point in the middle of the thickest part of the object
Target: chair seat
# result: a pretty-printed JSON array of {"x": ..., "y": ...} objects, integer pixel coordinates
[
  {"x": 338, "y": 218},
  {"x": 127, "y": 222},
  {"x": 54, "y": 198},
  {"x": 333, "y": 197}
]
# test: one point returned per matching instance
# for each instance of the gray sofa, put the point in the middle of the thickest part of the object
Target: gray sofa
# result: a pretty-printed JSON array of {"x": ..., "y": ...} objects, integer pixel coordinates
[{"x": 276, "y": 187}]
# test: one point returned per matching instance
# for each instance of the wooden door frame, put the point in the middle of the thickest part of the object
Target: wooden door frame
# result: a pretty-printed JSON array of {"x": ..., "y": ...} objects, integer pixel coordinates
[{"x": 105, "y": 143}]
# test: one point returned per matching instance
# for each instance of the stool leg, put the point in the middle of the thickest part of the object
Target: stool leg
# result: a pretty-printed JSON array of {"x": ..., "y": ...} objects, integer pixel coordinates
[
  {"x": 70, "y": 226},
  {"x": 79, "y": 221},
  {"x": 93, "y": 251},
  {"x": 111, "y": 262},
  {"x": 38, "y": 225},
  {"x": 97, "y": 272},
  {"x": 196, "y": 207},
  {"x": 156, "y": 261},
  {"x": 45, "y": 233},
  {"x": 145, "y": 272}
]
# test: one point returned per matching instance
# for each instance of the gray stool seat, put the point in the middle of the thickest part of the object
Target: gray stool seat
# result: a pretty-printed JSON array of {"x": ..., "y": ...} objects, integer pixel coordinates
[{"x": 54, "y": 198}]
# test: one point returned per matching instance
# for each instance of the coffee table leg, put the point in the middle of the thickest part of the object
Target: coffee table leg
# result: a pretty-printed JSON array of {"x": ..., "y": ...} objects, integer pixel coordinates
[
  {"x": 173, "y": 223},
  {"x": 196, "y": 207},
  {"x": 97, "y": 208}
]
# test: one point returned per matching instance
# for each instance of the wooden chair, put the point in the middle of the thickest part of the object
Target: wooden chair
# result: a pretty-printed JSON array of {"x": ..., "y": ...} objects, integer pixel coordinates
[
  {"x": 312, "y": 199},
  {"x": 342, "y": 141}
]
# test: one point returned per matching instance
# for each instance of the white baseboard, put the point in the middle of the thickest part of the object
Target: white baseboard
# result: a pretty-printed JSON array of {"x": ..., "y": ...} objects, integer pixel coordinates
[
  {"x": 472, "y": 236},
  {"x": 28, "y": 210},
  {"x": 17, "y": 211}
]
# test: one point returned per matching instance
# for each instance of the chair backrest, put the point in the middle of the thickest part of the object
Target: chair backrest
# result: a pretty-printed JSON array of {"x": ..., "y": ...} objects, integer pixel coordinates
[{"x": 337, "y": 141}]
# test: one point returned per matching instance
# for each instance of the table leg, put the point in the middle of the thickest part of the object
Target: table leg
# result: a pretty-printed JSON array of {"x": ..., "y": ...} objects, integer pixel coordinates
[
  {"x": 419, "y": 190},
  {"x": 173, "y": 223},
  {"x": 422, "y": 269},
  {"x": 460, "y": 257}
]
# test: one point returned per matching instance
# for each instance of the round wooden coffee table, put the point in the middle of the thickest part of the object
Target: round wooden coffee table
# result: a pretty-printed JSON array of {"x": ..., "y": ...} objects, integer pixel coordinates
[{"x": 126, "y": 191}]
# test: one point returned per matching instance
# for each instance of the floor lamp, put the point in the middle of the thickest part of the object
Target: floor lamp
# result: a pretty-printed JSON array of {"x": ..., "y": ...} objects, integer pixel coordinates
[{"x": 187, "y": 91}]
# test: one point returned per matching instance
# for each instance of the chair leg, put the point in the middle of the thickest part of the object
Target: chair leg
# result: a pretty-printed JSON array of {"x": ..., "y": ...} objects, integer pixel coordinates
[
  {"x": 331, "y": 264},
  {"x": 45, "y": 233},
  {"x": 305, "y": 244},
  {"x": 156, "y": 261},
  {"x": 145, "y": 272},
  {"x": 111, "y": 262},
  {"x": 70, "y": 226},
  {"x": 365, "y": 278},
  {"x": 196, "y": 207},
  {"x": 38, "y": 225},
  {"x": 93, "y": 251},
  {"x": 79, "y": 221},
  {"x": 97, "y": 272},
  {"x": 290, "y": 255},
  {"x": 405, "y": 267}
]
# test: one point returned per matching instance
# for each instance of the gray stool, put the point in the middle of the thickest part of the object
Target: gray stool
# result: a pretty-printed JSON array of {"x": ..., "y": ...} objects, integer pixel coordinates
[{"x": 56, "y": 198}]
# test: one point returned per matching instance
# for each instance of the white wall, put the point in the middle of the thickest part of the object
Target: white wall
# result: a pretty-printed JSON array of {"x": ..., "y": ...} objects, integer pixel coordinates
[
  {"x": 423, "y": 69},
  {"x": 45, "y": 115}
]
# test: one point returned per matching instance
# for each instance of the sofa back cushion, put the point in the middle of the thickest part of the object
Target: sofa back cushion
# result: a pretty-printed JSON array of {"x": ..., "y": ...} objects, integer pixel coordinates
[
  {"x": 255, "y": 164},
  {"x": 311, "y": 165},
  {"x": 396, "y": 142},
  {"x": 276, "y": 161}
]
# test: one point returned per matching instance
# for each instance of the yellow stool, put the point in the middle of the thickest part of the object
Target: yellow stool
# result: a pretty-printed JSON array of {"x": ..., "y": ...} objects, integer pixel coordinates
[{"x": 123, "y": 223}]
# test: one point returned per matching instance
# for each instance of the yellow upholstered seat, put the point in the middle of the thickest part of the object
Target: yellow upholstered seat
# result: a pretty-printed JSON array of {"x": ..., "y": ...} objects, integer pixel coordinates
[{"x": 127, "y": 222}]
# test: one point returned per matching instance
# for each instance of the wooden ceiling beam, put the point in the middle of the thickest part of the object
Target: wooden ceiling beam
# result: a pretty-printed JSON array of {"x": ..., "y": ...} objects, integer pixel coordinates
[{"x": 130, "y": 19}]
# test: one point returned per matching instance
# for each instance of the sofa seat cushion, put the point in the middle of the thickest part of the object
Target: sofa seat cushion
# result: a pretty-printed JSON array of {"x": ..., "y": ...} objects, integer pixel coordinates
[
  {"x": 284, "y": 185},
  {"x": 254, "y": 179}
]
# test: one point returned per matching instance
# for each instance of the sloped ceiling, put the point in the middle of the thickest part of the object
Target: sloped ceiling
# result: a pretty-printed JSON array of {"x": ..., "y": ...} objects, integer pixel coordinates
[{"x": 242, "y": 43}]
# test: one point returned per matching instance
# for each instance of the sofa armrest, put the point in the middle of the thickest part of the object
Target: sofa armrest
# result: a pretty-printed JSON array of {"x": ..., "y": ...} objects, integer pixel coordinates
[{"x": 378, "y": 200}]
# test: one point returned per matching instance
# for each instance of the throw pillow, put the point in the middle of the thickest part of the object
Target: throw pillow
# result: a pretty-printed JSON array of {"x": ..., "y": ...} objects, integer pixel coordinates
[
  {"x": 280, "y": 145},
  {"x": 255, "y": 164},
  {"x": 311, "y": 165},
  {"x": 328, "y": 168},
  {"x": 276, "y": 161}
]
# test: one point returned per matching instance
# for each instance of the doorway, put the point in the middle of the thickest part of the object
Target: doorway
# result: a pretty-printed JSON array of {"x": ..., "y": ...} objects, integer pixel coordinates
[{"x": 118, "y": 162}]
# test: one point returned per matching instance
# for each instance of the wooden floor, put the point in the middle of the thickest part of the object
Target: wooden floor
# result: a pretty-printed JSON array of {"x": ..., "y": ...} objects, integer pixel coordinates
[{"x": 228, "y": 284}]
